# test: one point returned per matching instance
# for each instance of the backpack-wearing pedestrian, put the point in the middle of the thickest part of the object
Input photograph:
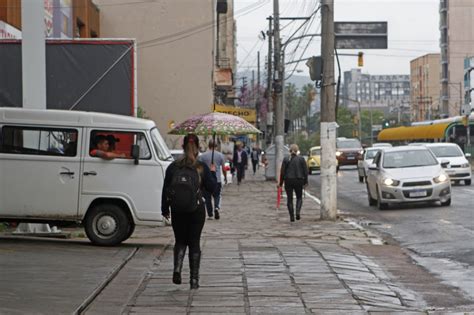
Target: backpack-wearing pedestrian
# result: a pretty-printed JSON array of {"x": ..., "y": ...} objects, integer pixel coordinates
[
  {"x": 294, "y": 174},
  {"x": 185, "y": 182}
]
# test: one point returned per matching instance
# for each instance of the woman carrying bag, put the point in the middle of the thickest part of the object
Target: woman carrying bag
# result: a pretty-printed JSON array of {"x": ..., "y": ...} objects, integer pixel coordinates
[{"x": 185, "y": 181}]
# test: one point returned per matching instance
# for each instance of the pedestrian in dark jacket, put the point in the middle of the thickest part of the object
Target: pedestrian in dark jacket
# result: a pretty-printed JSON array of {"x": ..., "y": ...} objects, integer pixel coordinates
[
  {"x": 187, "y": 223},
  {"x": 240, "y": 162},
  {"x": 294, "y": 173}
]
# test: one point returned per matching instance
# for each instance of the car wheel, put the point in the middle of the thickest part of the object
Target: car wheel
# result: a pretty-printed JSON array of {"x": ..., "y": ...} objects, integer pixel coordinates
[
  {"x": 381, "y": 205},
  {"x": 446, "y": 203},
  {"x": 361, "y": 179},
  {"x": 467, "y": 182},
  {"x": 107, "y": 225},
  {"x": 372, "y": 201}
]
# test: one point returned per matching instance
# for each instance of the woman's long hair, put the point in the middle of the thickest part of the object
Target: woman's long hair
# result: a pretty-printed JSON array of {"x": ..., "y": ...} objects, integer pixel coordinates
[{"x": 191, "y": 152}]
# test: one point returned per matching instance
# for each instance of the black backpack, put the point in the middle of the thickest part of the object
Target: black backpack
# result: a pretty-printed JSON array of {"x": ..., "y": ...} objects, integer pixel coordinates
[{"x": 184, "y": 192}]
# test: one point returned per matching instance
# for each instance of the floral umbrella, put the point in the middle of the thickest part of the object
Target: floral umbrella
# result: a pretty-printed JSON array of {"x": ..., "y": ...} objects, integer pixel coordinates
[{"x": 214, "y": 124}]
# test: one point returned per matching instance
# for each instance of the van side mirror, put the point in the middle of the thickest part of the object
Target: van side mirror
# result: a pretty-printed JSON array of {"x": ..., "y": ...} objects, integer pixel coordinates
[
  {"x": 135, "y": 153},
  {"x": 468, "y": 155}
]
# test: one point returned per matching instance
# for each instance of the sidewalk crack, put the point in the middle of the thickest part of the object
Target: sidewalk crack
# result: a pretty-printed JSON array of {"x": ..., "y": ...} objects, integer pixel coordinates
[{"x": 244, "y": 280}]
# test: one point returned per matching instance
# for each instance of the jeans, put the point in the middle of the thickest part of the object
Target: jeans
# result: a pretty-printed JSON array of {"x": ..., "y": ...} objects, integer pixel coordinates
[
  {"x": 240, "y": 167},
  {"x": 295, "y": 185},
  {"x": 187, "y": 228},
  {"x": 216, "y": 195},
  {"x": 254, "y": 165}
]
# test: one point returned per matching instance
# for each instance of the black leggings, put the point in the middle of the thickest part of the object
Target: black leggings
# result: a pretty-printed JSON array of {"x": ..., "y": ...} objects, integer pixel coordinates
[
  {"x": 187, "y": 228},
  {"x": 295, "y": 185}
]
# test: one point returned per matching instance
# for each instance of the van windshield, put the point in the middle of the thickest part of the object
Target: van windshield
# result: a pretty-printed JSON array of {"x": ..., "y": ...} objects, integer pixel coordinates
[{"x": 161, "y": 148}]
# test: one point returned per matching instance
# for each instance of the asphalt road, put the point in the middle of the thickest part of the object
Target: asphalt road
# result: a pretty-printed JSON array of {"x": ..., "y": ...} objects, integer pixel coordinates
[{"x": 442, "y": 238}]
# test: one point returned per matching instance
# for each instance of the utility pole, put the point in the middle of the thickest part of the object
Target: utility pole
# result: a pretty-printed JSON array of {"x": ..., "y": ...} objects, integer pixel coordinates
[
  {"x": 269, "y": 70},
  {"x": 279, "y": 114},
  {"x": 257, "y": 103},
  {"x": 328, "y": 115}
]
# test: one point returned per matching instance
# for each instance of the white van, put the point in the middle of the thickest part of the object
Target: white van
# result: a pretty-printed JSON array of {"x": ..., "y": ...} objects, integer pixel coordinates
[{"x": 49, "y": 172}]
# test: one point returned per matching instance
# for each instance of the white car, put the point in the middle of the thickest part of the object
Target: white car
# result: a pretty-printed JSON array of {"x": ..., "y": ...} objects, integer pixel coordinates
[
  {"x": 381, "y": 145},
  {"x": 459, "y": 167},
  {"x": 407, "y": 174},
  {"x": 365, "y": 162}
]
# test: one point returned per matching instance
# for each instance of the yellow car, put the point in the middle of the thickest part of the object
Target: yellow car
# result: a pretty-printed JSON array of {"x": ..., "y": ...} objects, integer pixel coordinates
[{"x": 314, "y": 160}]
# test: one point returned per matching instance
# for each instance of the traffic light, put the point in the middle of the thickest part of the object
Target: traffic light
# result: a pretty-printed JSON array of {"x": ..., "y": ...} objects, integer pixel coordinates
[
  {"x": 360, "y": 59},
  {"x": 386, "y": 124}
]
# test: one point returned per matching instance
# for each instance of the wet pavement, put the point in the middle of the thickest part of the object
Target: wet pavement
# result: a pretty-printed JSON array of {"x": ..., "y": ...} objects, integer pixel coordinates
[{"x": 255, "y": 261}]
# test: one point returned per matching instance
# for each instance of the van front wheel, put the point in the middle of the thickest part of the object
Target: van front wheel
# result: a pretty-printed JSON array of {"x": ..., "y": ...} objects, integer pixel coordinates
[{"x": 107, "y": 225}]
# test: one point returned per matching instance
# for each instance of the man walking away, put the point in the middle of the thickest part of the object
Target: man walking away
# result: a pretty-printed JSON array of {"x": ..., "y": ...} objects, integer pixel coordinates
[
  {"x": 219, "y": 162},
  {"x": 255, "y": 155},
  {"x": 240, "y": 162},
  {"x": 294, "y": 173}
]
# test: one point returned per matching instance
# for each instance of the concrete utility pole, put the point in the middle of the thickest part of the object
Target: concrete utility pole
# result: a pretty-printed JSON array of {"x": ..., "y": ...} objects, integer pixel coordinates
[
  {"x": 328, "y": 115},
  {"x": 33, "y": 54},
  {"x": 279, "y": 113},
  {"x": 269, "y": 71}
]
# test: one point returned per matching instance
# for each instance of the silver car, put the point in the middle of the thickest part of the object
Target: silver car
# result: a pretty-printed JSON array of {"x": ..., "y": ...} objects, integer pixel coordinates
[{"x": 407, "y": 174}]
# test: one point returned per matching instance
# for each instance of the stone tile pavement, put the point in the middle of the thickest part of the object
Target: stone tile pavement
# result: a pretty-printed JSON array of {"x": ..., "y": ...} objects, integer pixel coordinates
[{"x": 256, "y": 261}]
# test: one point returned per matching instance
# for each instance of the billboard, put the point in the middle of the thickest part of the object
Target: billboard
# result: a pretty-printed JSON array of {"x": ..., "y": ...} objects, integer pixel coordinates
[
  {"x": 248, "y": 114},
  {"x": 89, "y": 75}
]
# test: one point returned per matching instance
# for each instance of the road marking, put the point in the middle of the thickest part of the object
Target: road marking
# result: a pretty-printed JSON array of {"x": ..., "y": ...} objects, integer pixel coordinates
[
  {"x": 312, "y": 197},
  {"x": 445, "y": 221}
]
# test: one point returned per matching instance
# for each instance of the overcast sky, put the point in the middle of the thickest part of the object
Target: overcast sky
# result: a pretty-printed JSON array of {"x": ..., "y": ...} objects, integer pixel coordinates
[{"x": 413, "y": 30}]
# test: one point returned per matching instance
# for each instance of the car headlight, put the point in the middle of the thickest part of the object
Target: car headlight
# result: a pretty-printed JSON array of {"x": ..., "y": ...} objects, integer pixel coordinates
[
  {"x": 338, "y": 153},
  {"x": 361, "y": 152},
  {"x": 391, "y": 182},
  {"x": 440, "y": 179},
  {"x": 465, "y": 165}
]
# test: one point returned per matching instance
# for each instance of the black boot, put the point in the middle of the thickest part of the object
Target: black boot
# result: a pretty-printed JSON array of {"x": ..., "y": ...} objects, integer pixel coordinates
[
  {"x": 179, "y": 253},
  {"x": 291, "y": 211},
  {"x": 194, "y": 262},
  {"x": 299, "y": 204}
]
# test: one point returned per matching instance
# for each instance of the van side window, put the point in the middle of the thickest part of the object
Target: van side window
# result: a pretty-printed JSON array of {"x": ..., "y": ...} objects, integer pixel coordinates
[
  {"x": 38, "y": 141},
  {"x": 118, "y": 142}
]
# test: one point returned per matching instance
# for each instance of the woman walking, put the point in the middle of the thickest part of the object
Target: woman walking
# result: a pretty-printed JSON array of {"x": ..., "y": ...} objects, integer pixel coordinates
[
  {"x": 185, "y": 181},
  {"x": 294, "y": 173}
]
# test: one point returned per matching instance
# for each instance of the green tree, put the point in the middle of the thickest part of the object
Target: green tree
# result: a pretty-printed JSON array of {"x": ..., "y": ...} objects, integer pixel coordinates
[{"x": 345, "y": 120}]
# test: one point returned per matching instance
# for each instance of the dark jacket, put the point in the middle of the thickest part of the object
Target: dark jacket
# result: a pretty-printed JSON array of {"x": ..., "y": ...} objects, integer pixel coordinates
[
  {"x": 294, "y": 167},
  {"x": 244, "y": 158},
  {"x": 208, "y": 182}
]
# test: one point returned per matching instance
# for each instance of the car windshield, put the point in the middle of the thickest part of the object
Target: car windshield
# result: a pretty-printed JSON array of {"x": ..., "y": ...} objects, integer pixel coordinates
[
  {"x": 402, "y": 159},
  {"x": 348, "y": 144},
  {"x": 316, "y": 152},
  {"x": 370, "y": 154},
  {"x": 446, "y": 151},
  {"x": 161, "y": 148}
]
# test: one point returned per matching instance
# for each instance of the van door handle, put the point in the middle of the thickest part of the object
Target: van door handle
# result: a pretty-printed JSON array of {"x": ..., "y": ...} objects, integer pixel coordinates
[
  {"x": 92, "y": 173},
  {"x": 67, "y": 173}
]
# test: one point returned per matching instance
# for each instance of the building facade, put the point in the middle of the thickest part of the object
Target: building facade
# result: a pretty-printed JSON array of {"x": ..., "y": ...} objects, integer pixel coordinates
[
  {"x": 175, "y": 63},
  {"x": 425, "y": 87},
  {"x": 62, "y": 19},
  {"x": 226, "y": 53},
  {"x": 456, "y": 43},
  {"x": 384, "y": 92}
]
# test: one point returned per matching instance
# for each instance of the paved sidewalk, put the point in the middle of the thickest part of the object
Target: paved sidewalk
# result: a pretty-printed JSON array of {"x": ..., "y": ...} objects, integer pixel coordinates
[{"x": 256, "y": 262}]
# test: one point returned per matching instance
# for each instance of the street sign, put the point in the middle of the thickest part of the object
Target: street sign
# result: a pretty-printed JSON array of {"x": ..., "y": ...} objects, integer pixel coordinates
[
  {"x": 376, "y": 127},
  {"x": 361, "y": 35}
]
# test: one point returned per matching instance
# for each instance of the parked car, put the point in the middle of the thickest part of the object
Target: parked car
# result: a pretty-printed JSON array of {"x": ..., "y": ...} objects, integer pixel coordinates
[
  {"x": 314, "y": 159},
  {"x": 50, "y": 173},
  {"x": 364, "y": 163},
  {"x": 348, "y": 151},
  {"x": 458, "y": 167},
  {"x": 407, "y": 174}
]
